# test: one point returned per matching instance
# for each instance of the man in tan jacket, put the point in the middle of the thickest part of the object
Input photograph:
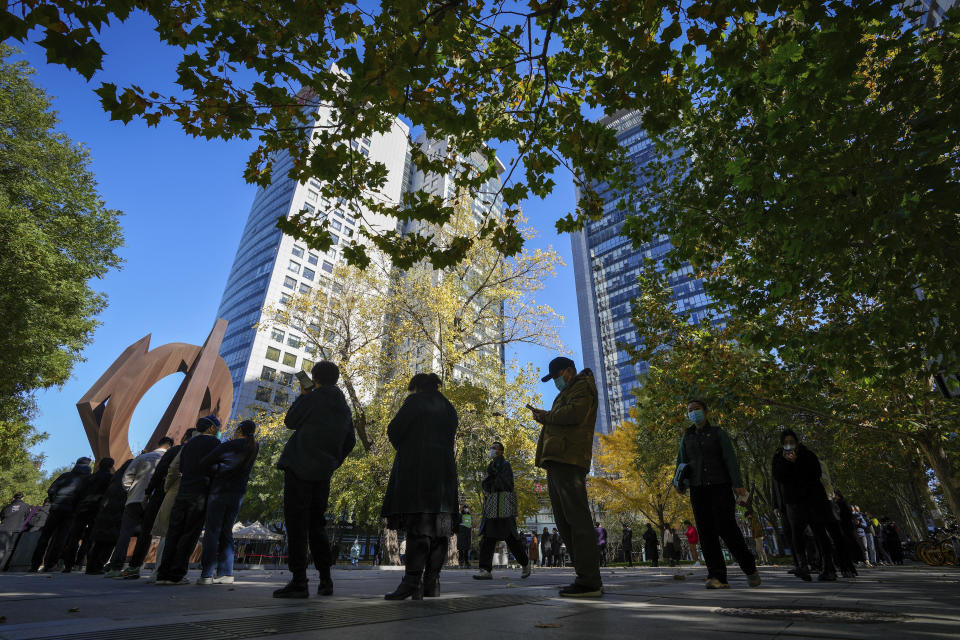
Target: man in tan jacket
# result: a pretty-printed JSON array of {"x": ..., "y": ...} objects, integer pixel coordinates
[{"x": 565, "y": 450}]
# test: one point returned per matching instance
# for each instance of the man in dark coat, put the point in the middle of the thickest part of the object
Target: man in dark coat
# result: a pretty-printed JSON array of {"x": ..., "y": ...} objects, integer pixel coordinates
[
  {"x": 63, "y": 494},
  {"x": 322, "y": 439},
  {"x": 714, "y": 478},
  {"x": 106, "y": 524},
  {"x": 798, "y": 471},
  {"x": 626, "y": 543},
  {"x": 556, "y": 545},
  {"x": 12, "y": 519},
  {"x": 565, "y": 450},
  {"x": 499, "y": 480},
  {"x": 546, "y": 548},
  {"x": 86, "y": 511},
  {"x": 189, "y": 508},
  {"x": 650, "y": 546},
  {"x": 421, "y": 496}
]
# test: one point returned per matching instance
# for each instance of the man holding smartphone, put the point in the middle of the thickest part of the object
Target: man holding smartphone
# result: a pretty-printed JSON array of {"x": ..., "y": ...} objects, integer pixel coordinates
[{"x": 565, "y": 449}]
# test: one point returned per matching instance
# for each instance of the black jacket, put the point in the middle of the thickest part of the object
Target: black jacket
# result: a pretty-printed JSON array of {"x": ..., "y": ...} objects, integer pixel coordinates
[
  {"x": 106, "y": 526},
  {"x": 193, "y": 476},
  {"x": 13, "y": 516},
  {"x": 710, "y": 456},
  {"x": 230, "y": 465},
  {"x": 499, "y": 478},
  {"x": 627, "y": 540},
  {"x": 66, "y": 489},
  {"x": 650, "y": 541},
  {"x": 155, "y": 488},
  {"x": 322, "y": 434},
  {"x": 89, "y": 502},
  {"x": 37, "y": 518},
  {"x": 424, "y": 474},
  {"x": 800, "y": 479}
]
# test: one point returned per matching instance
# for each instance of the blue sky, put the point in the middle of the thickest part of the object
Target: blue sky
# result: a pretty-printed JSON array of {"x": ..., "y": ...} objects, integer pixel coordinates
[{"x": 185, "y": 203}]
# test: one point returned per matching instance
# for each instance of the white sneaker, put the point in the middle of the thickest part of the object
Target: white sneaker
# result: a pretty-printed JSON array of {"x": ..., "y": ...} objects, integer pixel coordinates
[
  {"x": 223, "y": 580},
  {"x": 696, "y": 564},
  {"x": 205, "y": 580},
  {"x": 483, "y": 575},
  {"x": 527, "y": 569},
  {"x": 152, "y": 579}
]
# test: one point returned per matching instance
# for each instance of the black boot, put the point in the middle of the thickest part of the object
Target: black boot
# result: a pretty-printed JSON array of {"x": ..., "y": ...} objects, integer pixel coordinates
[
  {"x": 431, "y": 586},
  {"x": 325, "y": 588},
  {"x": 406, "y": 590},
  {"x": 293, "y": 590}
]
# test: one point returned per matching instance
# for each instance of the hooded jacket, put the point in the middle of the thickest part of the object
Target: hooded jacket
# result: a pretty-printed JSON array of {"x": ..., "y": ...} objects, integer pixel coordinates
[
  {"x": 138, "y": 475},
  {"x": 66, "y": 489},
  {"x": 230, "y": 465},
  {"x": 92, "y": 495},
  {"x": 13, "y": 516},
  {"x": 567, "y": 432},
  {"x": 800, "y": 480}
]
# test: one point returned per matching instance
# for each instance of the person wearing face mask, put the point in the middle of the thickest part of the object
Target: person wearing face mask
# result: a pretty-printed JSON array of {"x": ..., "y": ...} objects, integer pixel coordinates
[
  {"x": 189, "y": 507},
  {"x": 798, "y": 470},
  {"x": 713, "y": 474},
  {"x": 565, "y": 450},
  {"x": 499, "y": 516},
  {"x": 464, "y": 534}
]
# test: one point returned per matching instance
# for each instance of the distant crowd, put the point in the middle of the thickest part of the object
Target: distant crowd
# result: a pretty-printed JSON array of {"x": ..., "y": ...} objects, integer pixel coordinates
[{"x": 171, "y": 496}]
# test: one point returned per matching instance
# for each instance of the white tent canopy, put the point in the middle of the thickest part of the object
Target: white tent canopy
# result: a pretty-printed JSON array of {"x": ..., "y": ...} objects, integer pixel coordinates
[{"x": 255, "y": 531}]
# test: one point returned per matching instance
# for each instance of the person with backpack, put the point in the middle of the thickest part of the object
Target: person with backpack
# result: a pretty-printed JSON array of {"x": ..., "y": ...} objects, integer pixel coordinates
[{"x": 64, "y": 493}]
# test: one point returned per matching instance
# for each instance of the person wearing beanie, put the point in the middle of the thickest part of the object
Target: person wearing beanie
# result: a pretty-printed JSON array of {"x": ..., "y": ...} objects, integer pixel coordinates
[
  {"x": 229, "y": 466},
  {"x": 189, "y": 508}
]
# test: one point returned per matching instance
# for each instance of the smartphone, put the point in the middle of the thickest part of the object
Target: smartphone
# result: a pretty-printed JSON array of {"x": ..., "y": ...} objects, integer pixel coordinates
[{"x": 306, "y": 383}]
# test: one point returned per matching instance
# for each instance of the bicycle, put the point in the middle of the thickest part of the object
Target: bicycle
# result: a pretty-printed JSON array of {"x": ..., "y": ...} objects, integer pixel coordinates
[{"x": 940, "y": 547}]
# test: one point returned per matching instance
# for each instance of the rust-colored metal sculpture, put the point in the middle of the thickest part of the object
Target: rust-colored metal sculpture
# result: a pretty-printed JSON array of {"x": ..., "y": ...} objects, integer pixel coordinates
[{"x": 106, "y": 409}]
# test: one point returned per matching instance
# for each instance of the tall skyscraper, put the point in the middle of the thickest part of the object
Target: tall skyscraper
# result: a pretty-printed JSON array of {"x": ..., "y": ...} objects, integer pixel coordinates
[
  {"x": 270, "y": 265},
  {"x": 606, "y": 266},
  {"x": 932, "y": 12}
]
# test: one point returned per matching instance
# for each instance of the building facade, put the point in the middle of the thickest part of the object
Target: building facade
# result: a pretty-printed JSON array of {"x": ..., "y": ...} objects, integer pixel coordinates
[
  {"x": 606, "y": 266},
  {"x": 269, "y": 266}
]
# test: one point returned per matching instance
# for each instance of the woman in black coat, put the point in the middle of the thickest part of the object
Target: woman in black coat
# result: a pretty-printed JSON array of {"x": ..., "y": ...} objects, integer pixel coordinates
[
  {"x": 106, "y": 525},
  {"x": 650, "y": 547},
  {"x": 499, "y": 479},
  {"x": 421, "y": 496}
]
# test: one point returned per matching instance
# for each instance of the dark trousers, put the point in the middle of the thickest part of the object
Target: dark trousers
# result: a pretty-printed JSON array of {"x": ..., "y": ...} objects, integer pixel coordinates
[
  {"x": 79, "y": 540},
  {"x": 222, "y": 509},
  {"x": 602, "y": 548},
  {"x": 628, "y": 554},
  {"x": 186, "y": 523},
  {"x": 52, "y": 538},
  {"x": 8, "y": 542},
  {"x": 653, "y": 556},
  {"x": 129, "y": 527},
  {"x": 567, "y": 486},
  {"x": 546, "y": 556},
  {"x": 98, "y": 555},
  {"x": 488, "y": 545},
  {"x": 463, "y": 546},
  {"x": 713, "y": 509},
  {"x": 800, "y": 519},
  {"x": 150, "y": 511},
  {"x": 304, "y": 512},
  {"x": 424, "y": 558}
]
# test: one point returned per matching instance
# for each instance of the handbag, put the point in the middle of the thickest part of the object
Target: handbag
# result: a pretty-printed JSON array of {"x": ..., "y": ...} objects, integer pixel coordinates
[
  {"x": 681, "y": 479},
  {"x": 500, "y": 504}
]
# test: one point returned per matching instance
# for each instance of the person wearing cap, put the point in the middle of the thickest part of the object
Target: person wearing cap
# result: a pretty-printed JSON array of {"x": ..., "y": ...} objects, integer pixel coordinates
[
  {"x": 189, "y": 507},
  {"x": 499, "y": 480},
  {"x": 63, "y": 494},
  {"x": 229, "y": 465},
  {"x": 135, "y": 481},
  {"x": 565, "y": 450}
]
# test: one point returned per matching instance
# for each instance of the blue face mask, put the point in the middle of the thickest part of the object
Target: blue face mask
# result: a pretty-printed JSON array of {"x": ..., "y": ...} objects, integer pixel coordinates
[
  {"x": 696, "y": 416},
  {"x": 560, "y": 383}
]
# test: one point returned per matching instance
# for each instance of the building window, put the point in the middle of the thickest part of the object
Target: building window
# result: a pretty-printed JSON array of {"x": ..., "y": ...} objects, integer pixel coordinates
[
  {"x": 304, "y": 288},
  {"x": 263, "y": 394},
  {"x": 280, "y": 398},
  {"x": 313, "y": 258},
  {"x": 273, "y": 354},
  {"x": 309, "y": 207},
  {"x": 308, "y": 273},
  {"x": 311, "y": 196},
  {"x": 286, "y": 378},
  {"x": 293, "y": 341},
  {"x": 294, "y": 266},
  {"x": 308, "y": 365},
  {"x": 309, "y": 347},
  {"x": 269, "y": 374},
  {"x": 335, "y": 238},
  {"x": 336, "y": 225},
  {"x": 327, "y": 266},
  {"x": 338, "y": 213},
  {"x": 289, "y": 360},
  {"x": 284, "y": 298},
  {"x": 290, "y": 283},
  {"x": 298, "y": 251}
]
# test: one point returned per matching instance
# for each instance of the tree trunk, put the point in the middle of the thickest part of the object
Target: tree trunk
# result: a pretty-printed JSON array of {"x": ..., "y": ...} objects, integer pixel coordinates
[
  {"x": 452, "y": 559},
  {"x": 389, "y": 545},
  {"x": 360, "y": 423},
  {"x": 929, "y": 444}
]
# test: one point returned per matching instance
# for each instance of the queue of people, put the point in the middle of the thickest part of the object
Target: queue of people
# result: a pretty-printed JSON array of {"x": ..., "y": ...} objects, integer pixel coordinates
[
  {"x": 173, "y": 491},
  {"x": 195, "y": 487}
]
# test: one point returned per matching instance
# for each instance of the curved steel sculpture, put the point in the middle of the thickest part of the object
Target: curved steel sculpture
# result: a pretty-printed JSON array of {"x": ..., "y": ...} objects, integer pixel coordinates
[{"x": 106, "y": 409}]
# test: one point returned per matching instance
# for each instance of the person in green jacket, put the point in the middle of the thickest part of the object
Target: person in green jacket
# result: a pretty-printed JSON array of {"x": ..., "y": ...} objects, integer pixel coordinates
[
  {"x": 713, "y": 475},
  {"x": 565, "y": 449}
]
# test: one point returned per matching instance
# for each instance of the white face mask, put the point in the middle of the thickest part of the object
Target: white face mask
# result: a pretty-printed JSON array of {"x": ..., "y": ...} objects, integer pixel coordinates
[
  {"x": 492, "y": 453},
  {"x": 789, "y": 447}
]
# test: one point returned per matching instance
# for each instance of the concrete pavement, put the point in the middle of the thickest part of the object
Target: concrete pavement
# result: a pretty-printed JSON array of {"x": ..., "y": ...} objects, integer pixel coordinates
[{"x": 903, "y": 602}]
